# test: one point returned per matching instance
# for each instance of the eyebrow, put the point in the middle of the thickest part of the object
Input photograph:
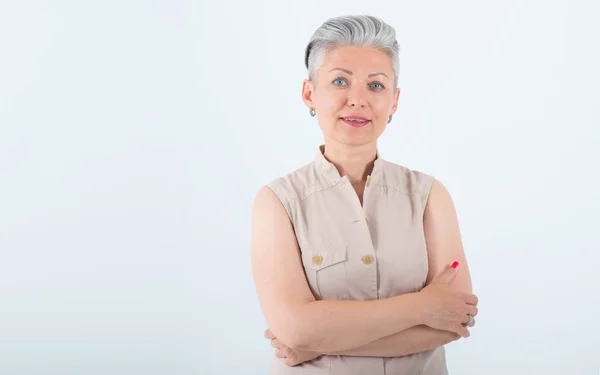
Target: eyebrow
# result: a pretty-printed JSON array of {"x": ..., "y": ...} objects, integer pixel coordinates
[{"x": 350, "y": 73}]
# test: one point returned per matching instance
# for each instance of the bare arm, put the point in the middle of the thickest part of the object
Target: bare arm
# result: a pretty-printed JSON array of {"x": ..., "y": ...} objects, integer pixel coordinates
[
  {"x": 443, "y": 238},
  {"x": 444, "y": 246},
  {"x": 288, "y": 305},
  {"x": 413, "y": 340}
]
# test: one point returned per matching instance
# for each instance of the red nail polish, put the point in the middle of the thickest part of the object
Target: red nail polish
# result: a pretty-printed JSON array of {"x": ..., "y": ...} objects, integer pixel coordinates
[{"x": 455, "y": 264}]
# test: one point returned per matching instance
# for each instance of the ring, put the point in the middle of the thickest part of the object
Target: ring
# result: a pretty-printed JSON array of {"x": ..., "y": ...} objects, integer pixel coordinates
[{"x": 469, "y": 322}]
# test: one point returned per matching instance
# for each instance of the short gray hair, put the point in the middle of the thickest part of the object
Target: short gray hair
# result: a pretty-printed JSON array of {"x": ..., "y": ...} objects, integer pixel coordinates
[{"x": 358, "y": 31}]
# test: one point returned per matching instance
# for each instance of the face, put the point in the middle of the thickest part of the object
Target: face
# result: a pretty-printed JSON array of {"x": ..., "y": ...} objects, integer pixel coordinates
[{"x": 353, "y": 82}]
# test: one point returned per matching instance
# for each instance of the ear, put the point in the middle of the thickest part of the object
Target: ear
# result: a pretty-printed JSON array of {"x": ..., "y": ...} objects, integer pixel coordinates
[
  {"x": 396, "y": 97},
  {"x": 307, "y": 93}
]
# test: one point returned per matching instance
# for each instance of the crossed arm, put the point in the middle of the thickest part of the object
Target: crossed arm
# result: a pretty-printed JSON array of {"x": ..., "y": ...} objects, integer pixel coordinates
[
  {"x": 412, "y": 340},
  {"x": 444, "y": 246}
]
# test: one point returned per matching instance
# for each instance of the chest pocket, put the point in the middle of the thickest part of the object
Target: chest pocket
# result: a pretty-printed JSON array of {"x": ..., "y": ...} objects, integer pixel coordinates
[{"x": 326, "y": 272}]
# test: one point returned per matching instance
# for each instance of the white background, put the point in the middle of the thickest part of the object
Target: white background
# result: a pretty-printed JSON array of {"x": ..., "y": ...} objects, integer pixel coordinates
[{"x": 135, "y": 134}]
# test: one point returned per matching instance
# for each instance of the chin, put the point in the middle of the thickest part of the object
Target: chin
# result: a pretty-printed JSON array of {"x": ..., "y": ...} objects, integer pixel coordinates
[{"x": 357, "y": 140}]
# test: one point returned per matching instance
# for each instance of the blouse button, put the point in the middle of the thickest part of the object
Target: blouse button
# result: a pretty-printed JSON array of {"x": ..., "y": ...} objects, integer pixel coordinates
[{"x": 368, "y": 259}]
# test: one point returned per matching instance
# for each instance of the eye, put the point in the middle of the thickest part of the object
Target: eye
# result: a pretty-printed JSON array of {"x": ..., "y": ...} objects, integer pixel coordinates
[
  {"x": 377, "y": 86},
  {"x": 335, "y": 82}
]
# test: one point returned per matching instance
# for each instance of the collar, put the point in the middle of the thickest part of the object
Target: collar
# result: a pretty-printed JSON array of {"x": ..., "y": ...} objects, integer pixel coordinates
[{"x": 330, "y": 172}]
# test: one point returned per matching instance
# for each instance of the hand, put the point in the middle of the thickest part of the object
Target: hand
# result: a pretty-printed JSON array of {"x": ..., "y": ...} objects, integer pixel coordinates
[
  {"x": 446, "y": 308},
  {"x": 290, "y": 357}
]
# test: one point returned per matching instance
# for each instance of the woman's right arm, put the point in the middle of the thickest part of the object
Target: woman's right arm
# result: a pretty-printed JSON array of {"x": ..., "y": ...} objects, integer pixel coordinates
[{"x": 288, "y": 305}]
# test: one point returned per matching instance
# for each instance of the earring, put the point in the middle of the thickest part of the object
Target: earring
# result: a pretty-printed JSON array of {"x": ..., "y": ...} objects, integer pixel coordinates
[
  {"x": 313, "y": 112},
  {"x": 390, "y": 119}
]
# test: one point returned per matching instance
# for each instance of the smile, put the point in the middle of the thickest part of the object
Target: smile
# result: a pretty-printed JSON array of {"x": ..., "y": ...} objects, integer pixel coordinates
[{"x": 355, "y": 121}]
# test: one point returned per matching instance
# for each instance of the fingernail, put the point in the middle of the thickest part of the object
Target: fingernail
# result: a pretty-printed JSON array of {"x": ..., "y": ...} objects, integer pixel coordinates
[{"x": 455, "y": 264}]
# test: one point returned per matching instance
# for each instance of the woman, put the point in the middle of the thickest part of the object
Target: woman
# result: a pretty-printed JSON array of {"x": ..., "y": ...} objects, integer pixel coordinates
[{"x": 357, "y": 261}]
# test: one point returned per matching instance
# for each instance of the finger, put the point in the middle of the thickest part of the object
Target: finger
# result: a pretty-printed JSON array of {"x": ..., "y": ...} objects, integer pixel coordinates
[
  {"x": 269, "y": 334},
  {"x": 470, "y": 322},
  {"x": 448, "y": 275},
  {"x": 289, "y": 362},
  {"x": 276, "y": 343},
  {"x": 282, "y": 352},
  {"x": 291, "y": 359},
  {"x": 472, "y": 310},
  {"x": 279, "y": 353},
  {"x": 471, "y": 299},
  {"x": 462, "y": 330}
]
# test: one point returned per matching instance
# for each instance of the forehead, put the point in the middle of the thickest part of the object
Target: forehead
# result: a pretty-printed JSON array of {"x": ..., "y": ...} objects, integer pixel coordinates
[{"x": 358, "y": 60}]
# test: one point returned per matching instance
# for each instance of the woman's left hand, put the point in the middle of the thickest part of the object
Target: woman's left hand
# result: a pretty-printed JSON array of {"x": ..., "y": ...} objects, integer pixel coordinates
[{"x": 290, "y": 357}]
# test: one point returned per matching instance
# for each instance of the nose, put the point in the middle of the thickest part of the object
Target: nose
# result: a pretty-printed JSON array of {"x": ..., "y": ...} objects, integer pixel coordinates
[{"x": 357, "y": 97}]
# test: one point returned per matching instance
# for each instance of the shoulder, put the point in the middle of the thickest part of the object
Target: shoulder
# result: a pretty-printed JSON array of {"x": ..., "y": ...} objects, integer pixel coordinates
[
  {"x": 410, "y": 181},
  {"x": 298, "y": 184},
  {"x": 285, "y": 189},
  {"x": 439, "y": 202},
  {"x": 434, "y": 195}
]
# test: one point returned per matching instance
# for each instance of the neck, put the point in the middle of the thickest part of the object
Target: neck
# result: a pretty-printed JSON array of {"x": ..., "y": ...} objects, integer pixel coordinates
[{"x": 355, "y": 162}]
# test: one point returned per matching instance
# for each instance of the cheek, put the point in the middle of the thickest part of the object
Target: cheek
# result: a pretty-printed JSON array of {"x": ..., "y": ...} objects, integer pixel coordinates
[
  {"x": 381, "y": 107},
  {"x": 332, "y": 102}
]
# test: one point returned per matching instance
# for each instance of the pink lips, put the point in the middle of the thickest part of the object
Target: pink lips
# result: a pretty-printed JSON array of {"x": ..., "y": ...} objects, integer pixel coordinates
[{"x": 356, "y": 124}]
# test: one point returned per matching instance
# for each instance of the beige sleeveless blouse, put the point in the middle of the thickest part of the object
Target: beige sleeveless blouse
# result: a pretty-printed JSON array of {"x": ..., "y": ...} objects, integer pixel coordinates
[{"x": 360, "y": 252}]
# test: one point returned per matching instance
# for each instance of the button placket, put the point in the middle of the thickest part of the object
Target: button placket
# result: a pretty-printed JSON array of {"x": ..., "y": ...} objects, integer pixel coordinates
[{"x": 362, "y": 248}]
